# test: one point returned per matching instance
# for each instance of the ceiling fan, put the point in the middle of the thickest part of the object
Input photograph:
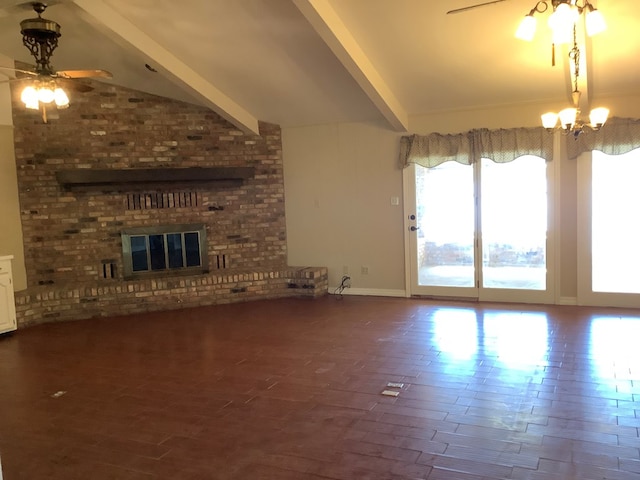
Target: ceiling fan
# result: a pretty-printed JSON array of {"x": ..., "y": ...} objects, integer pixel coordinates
[
  {"x": 471, "y": 7},
  {"x": 40, "y": 36}
]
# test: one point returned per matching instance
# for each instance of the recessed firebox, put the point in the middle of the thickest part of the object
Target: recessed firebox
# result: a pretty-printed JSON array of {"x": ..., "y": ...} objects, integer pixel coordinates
[{"x": 164, "y": 249}]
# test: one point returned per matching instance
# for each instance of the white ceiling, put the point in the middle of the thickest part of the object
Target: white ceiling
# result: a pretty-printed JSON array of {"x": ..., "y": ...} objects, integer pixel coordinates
[{"x": 304, "y": 62}]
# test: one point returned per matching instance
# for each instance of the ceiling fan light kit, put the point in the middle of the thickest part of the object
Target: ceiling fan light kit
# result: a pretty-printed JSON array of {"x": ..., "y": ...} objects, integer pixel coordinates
[
  {"x": 527, "y": 28},
  {"x": 594, "y": 21},
  {"x": 564, "y": 14},
  {"x": 32, "y": 96},
  {"x": 40, "y": 36}
]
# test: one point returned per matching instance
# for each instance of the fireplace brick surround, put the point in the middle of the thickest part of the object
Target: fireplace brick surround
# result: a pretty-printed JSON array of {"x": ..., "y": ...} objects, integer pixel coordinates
[{"x": 72, "y": 237}]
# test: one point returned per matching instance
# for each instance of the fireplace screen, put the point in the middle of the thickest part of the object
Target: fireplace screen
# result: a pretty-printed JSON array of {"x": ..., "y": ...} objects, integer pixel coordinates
[{"x": 174, "y": 248}]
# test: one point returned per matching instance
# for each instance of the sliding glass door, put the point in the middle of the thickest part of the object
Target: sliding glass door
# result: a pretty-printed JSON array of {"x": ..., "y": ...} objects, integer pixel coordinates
[
  {"x": 609, "y": 229},
  {"x": 480, "y": 231}
]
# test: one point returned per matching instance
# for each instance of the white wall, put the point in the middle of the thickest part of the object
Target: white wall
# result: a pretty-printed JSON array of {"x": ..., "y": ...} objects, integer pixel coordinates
[{"x": 339, "y": 182}]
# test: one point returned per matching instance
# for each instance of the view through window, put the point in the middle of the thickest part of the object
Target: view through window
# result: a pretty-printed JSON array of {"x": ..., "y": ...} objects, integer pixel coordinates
[{"x": 513, "y": 218}]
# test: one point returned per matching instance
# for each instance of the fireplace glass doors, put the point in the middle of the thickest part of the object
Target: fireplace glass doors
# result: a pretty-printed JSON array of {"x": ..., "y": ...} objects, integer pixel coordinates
[{"x": 173, "y": 248}]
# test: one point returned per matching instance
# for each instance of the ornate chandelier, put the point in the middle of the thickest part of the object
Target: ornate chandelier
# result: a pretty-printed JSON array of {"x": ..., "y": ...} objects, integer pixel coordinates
[
  {"x": 570, "y": 120},
  {"x": 562, "y": 21}
]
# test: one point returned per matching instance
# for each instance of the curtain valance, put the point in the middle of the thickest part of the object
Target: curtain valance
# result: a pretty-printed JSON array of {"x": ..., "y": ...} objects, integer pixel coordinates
[
  {"x": 503, "y": 145},
  {"x": 617, "y": 136},
  {"x": 434, "y": 149}
]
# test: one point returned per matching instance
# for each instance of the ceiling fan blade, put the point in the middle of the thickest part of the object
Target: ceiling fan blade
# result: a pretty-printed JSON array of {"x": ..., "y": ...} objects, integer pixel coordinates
[
  {"x": 84, "y": 74},
  {"x": 470, "y": 7},
  {"x": 18, "y": 70}
]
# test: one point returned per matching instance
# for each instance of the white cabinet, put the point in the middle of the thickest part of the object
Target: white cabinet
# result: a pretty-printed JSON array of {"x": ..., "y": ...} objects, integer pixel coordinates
[{"x": 7, "y": 302}]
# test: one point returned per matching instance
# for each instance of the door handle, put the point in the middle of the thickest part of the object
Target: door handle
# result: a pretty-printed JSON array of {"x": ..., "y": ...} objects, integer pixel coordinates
[{"x": 413, "y": 229}]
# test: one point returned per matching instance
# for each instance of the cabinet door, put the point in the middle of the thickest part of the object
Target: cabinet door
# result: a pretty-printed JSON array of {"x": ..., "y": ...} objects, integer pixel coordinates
[{"x": 7, "y": 307}]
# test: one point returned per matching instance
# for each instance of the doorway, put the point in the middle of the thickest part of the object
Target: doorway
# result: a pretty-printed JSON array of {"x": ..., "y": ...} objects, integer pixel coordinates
[
  {"x": 480, "y": 231},
  {"x": 609, "y": 229}
]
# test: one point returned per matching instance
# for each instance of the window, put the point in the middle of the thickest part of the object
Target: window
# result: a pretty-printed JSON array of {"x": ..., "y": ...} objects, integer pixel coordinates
[{"x": 174, "y": 248}]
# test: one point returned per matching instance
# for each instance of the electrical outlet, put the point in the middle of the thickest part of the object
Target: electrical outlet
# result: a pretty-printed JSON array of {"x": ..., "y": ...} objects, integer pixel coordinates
[{"x": 364, "y": 270}]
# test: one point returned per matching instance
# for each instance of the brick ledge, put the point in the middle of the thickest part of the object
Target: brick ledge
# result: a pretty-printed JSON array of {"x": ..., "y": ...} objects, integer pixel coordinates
[{"x": 49, "y": 303}]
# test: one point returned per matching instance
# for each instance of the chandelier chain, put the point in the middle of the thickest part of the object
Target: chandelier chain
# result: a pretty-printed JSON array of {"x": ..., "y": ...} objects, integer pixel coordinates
[{"x": 574, "y": 55}]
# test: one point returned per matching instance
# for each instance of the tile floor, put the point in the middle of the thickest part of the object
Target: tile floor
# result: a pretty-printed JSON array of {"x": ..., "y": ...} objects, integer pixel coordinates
[{"x": 292, "y": 389}]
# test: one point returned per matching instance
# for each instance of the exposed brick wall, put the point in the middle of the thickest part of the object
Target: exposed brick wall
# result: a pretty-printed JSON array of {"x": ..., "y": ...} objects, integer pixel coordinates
[{"x": 69, "y": 235}]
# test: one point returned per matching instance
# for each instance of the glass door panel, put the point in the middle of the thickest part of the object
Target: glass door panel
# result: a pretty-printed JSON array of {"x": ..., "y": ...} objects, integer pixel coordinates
[
  {"x": 514, "y": 223},
  {"x": 609, "y": 229},
  {"x": 445, "y": 218},
  {"x": 615, "y": 228}
]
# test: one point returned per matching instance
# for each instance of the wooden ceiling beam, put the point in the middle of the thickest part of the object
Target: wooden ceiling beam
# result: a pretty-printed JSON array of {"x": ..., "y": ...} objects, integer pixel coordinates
[{"x": 326, "y": 22}]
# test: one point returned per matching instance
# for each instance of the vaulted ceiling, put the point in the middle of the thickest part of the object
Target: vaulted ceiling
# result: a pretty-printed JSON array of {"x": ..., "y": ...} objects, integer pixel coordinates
[{"x": 305, "y": 62}]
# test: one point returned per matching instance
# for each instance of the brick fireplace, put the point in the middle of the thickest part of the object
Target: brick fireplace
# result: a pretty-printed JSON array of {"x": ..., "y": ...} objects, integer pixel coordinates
[{"x": 78, "y": 194}]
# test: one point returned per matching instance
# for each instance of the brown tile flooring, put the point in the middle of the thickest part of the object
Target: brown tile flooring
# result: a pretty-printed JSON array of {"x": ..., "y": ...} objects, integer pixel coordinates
[{"x": 291, "y": 389}]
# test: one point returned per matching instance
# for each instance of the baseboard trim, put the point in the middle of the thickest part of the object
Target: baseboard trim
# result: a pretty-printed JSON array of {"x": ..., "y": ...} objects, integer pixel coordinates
[
  {"x": 381, "y": 292},
  {"x": 567, "y": 301},
  {"x": 371, "y": 292}
]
